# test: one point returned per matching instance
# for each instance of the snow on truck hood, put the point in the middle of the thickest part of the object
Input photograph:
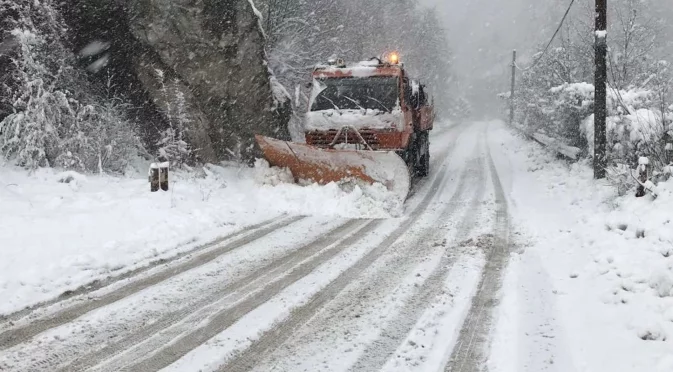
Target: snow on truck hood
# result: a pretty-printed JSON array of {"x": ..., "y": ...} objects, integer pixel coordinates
[{"x": 359, "y": 119}]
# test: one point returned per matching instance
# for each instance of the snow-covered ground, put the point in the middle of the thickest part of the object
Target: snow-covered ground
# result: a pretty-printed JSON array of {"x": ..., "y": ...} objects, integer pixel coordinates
[
  {"x": 590, "y": 282},
  {"x": 63, "y": 230},
  {"x": 361, "y": 285}
]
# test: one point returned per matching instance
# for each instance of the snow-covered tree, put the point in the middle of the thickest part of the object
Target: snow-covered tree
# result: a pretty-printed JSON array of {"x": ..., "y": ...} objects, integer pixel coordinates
[
  {"x": 55, "y": 119},
  {"x": 172, "y": 146},
  {"x": 633, "y": 39}
]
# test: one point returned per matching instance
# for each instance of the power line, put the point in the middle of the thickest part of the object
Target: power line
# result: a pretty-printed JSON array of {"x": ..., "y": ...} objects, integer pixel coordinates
[{"x": 550, "y": 41}]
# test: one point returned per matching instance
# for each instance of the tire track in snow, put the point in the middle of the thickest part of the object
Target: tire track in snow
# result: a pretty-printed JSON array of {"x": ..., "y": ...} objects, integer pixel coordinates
[
  {"x": 471, "y": 350},
  {"x": 21, "y": 334},
  {"x": 275, "y": 337},
  {"x": 7, "y": 320},
  {"x": 173, "y": 325},
  {"x": 75, "y": 344},
  {"x": 375, "y": 356},
  {"x": 217, "y": 322}
]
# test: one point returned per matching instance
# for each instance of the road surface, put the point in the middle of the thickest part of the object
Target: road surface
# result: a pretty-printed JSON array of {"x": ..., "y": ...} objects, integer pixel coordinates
[{"x": 303, "y": 293}]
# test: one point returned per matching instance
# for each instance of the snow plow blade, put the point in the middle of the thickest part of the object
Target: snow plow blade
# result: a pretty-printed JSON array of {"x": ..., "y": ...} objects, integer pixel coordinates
[{"x": 325, "y": 166}]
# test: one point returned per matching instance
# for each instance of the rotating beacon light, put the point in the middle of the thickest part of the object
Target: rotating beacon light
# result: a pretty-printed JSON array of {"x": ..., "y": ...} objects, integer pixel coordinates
[{"x": 394, "y": 58}]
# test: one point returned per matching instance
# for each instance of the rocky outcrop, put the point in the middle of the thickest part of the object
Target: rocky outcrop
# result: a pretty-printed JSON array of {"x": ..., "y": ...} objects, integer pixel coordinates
[
  {"x": 212, "y": 51},
  {"x": 205, "y": 57}
]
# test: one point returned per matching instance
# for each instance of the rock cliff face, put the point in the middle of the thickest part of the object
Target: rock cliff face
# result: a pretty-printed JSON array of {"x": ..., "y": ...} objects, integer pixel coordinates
[
  {"x": 198, "y": 63},
  {"x": 211, "y": 52}
]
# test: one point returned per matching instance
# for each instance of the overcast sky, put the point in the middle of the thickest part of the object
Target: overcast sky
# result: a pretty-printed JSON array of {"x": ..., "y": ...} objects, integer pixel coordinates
[{"x": 483, "y": 34}]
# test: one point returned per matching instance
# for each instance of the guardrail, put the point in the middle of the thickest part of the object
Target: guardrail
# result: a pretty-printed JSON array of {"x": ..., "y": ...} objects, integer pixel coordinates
[
  {"x": 554, "y": 144},
  {"x": 568, "y": 152}
]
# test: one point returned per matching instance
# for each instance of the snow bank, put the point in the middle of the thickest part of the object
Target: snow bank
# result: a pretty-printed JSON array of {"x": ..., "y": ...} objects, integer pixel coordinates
[
  {"x": 608, "y": 262},
  {"x": 347, "y": 199},
  {"x": 63, "y": 230}
]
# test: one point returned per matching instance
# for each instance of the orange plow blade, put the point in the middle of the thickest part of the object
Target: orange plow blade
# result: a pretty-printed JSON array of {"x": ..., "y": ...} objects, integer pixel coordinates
[{"x": 325, "y": 166}]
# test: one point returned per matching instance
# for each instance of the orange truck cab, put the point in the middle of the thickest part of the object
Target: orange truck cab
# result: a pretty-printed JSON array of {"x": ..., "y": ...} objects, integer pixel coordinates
[{"x": 371, "y": 105}]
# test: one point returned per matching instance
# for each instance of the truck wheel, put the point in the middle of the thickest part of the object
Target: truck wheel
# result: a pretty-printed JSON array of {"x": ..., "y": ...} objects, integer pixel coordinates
[
  {"x": 412, "y": 161},
  {"x": 424, "y": 156}
]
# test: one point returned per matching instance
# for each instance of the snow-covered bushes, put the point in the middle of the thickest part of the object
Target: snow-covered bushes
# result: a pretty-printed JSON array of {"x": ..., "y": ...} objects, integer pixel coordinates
[
  {"x": 103, "y": 140},
  {"x": 555, "y": 95},
  {"x": 635, "y": 127},
  {"x": 56, "y": 119},
  {"x": 639, "y": 117},
  {"x": 570, "y": 105}
]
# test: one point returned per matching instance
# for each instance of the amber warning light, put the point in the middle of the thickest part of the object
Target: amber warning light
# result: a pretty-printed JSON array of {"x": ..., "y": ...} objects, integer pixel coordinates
[{"x": 394, "y": 58}]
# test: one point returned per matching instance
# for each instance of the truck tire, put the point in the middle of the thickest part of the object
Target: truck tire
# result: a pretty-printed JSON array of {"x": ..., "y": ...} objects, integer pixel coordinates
[{"x": 423, "y": 169}]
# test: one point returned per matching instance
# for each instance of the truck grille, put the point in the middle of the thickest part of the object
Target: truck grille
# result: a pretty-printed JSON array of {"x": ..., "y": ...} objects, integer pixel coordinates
[{"x": 324, "y": 138}]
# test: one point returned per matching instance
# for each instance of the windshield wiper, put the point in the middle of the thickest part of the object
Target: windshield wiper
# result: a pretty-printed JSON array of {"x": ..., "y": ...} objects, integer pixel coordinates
[
  {"x": 356, "y": 103},
  {"x": 333, "y": 104},
  {"x": 385, "y": 109}
]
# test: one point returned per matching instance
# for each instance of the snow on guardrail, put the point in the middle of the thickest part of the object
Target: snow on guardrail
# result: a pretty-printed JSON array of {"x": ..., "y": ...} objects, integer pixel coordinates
[
  {"x": 557, "y": 146},
  {"x": 554, "y": 144}
]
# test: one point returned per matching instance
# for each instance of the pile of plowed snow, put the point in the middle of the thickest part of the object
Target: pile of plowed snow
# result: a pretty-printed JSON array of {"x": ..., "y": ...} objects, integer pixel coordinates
[{"x": 346, "y": 199}]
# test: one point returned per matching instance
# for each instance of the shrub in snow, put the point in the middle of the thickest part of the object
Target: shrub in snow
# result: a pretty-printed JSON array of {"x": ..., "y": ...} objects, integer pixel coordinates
[
  {"x": 30, "y": 135},
  {"x": 102, "y": 140},
  {"x": 619, "y": 176},
  {"x": 70, "y": 176},
  {"x": 667, "y": 170},
  {"x": 571, "y": 104},
  {"x": 635, "y": 127}
]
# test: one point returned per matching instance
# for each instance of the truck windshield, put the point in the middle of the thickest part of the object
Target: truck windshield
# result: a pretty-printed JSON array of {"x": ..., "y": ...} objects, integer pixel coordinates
[{"x": 375, "y": 93}]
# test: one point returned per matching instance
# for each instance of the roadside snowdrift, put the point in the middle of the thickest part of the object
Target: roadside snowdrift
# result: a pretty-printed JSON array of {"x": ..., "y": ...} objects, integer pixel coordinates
[
  {"x": 62, "y": 230},
  {"x": 590, "y": 287}
]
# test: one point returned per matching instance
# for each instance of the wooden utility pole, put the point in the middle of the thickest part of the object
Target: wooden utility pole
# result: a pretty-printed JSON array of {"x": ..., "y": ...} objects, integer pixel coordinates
[
  {"x": 600, "y": 97},
  {"x": 511, "y": 95}
]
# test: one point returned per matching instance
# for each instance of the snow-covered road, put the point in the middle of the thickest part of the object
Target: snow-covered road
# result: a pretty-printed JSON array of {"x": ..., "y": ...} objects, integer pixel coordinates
[
  {"x": 430, "y": 290},
  {"x": 301, "y": 293}
]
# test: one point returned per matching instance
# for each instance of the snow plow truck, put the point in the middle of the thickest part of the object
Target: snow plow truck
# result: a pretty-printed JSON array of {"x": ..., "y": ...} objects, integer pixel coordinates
[{"x": 367, "y": 121}]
